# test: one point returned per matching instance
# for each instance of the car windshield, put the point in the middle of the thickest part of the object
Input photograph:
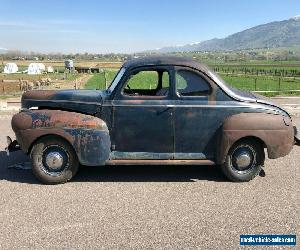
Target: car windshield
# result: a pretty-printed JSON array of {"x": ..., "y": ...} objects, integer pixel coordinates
[{"x": 116, "y": 80}]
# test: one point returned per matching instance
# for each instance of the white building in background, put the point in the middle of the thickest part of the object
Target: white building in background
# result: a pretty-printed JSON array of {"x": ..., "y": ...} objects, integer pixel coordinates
[
  {"x": 10, "y": 68},
  {"x": 50, "y": 69},
  {"x": 36, "y": 68},
  {"x": 69, "y": 64}
]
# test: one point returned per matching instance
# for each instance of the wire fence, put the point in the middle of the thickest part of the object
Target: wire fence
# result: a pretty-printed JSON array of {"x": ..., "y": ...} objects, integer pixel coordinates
[{"x": 263, "y": 83}]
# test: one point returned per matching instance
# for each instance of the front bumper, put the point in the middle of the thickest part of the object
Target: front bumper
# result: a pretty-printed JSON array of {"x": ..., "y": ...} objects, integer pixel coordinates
[{"x": 296, "y": 136}]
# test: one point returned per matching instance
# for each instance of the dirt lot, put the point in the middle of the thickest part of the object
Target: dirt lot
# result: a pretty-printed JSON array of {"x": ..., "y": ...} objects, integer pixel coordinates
[
  {"x": 147, "y": 207},
  {"x": 10, "y": 83}
]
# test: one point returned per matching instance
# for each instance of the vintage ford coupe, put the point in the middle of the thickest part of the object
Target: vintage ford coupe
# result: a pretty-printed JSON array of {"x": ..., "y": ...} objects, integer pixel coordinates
[{"x": 157, "y": 110}]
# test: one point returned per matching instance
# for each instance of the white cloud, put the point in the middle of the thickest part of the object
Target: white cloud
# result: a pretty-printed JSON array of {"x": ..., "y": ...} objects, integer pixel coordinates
[{"x": 296, "y": 17}]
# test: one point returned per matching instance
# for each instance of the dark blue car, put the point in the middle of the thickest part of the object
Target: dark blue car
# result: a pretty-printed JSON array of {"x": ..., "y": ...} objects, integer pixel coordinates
[{"x": 183, "y": 113}]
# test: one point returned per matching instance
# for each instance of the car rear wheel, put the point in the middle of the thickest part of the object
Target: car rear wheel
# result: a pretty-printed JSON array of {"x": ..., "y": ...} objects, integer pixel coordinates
[
  {"x": 54, "y": 161},
  {"x": 244, "y": 161}
]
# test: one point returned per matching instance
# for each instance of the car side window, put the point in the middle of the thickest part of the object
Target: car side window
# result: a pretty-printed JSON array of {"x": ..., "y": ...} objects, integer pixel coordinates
[
  {"x": 189, "y": 83},
  {"x": 147, "y": 83}
]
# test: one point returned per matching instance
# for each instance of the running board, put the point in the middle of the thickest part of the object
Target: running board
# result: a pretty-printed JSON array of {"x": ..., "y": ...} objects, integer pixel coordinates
[{"x": 160, "y": 162}]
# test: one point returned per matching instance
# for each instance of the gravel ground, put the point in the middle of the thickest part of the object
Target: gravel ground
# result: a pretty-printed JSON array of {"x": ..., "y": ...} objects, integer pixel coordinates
[{"x": 163, "y": 207}]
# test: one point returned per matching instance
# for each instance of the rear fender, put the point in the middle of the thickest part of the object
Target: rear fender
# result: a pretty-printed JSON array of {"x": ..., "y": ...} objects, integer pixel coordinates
[
  {"x": 88, "y": 135},
  {"x": 276, "y": 134}
]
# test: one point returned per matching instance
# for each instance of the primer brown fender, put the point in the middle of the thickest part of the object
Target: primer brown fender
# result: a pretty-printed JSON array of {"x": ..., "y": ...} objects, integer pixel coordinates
[
  {"x": 39, "y": 94},
  {"x": 271, "y": 129},
  {"x": 88, "y": 135}
]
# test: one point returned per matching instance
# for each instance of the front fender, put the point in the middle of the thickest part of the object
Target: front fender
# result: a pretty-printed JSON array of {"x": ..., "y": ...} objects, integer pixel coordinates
[
  {"x": 276, "y": 134},
  {"x": 88, "y": 135}
]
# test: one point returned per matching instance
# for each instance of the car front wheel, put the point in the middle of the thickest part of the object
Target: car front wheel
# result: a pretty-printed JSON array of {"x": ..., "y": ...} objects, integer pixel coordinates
[
  {"x": 244, "y": 161},
  {"x": 53, "y": 160}
]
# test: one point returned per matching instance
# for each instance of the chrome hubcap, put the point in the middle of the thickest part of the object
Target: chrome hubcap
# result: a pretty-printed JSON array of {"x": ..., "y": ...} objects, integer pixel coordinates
[
  {"x": 242, "y": 159},
  {"x": 54, "y": 160}
]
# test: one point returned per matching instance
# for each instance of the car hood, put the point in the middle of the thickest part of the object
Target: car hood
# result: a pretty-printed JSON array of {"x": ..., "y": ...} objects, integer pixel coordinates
[{"x": 83, "y": 101}]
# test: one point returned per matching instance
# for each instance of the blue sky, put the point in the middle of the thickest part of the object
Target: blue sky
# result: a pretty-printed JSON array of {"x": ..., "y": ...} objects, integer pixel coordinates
[{"x": 129, "y": 26}]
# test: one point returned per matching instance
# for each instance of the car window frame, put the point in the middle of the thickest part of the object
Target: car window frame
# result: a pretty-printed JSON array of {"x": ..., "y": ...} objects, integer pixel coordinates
[
  {"x": 200, "y": 74},
  {"x": 121, "y": 96}
]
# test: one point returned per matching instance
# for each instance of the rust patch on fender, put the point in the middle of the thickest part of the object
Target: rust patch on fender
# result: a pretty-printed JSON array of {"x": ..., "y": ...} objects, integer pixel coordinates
[
  {"x": 55, "y": 119},
  {"x": 88, "y": 135},
  {"x": 39, "y": 94}
]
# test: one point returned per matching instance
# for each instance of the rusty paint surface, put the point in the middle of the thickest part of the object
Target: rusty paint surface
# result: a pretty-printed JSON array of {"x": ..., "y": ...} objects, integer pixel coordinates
[
  {"x": 55, "y": 118},
  {"x": 39, "y": 94},
  {"x": 88, "y": 135},
  {"x": 270, "y": 129},
  {"x": 169, "y": 127}
]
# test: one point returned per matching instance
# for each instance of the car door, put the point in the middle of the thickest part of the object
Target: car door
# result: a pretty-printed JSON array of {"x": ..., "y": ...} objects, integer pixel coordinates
[
  {"x": 194, "y": 118},
  {"x": 142, "y": 116}
]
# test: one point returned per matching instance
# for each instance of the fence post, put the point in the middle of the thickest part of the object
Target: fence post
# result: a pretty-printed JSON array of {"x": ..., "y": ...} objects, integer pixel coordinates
[
  {"x": 76, "y": 84},
  {"x": 105, "y": 79},
  {"x": 255, "y": 85},
  {"x": 279, "y": 84}
]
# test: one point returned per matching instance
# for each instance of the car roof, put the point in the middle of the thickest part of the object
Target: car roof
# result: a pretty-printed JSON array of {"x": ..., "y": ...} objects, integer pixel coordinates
[{"x": 165, "y": 60}]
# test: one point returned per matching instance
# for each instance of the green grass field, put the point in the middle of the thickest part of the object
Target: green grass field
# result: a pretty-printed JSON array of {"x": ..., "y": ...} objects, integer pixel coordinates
[
  {"x": 283, "y": 86},
  {"x": 250, "y": 83},
  {"x": 98, "y": 80},
  {"x": 140, "y": 81},
  {"x": 263, "y": 83}
]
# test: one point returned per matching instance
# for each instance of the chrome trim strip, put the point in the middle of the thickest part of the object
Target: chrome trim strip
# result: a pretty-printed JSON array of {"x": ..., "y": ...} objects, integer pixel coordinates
[
  {"x": 227, "y": 90},
  {"x": 180, "y": 106},
  {"x": 117, "y": 79},
  {"x": 251, "y": 106},
  {"x": 64, "y": 101}
]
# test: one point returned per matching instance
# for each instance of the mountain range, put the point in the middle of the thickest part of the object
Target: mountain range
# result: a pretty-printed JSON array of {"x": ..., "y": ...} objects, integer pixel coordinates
[{"x": 284, "y": 33}]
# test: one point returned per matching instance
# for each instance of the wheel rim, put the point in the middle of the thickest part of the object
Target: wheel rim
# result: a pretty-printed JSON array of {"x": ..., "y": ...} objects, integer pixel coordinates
[
  {"x": 55, "y": 160},
  {"x": 243, "y": 159}
]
